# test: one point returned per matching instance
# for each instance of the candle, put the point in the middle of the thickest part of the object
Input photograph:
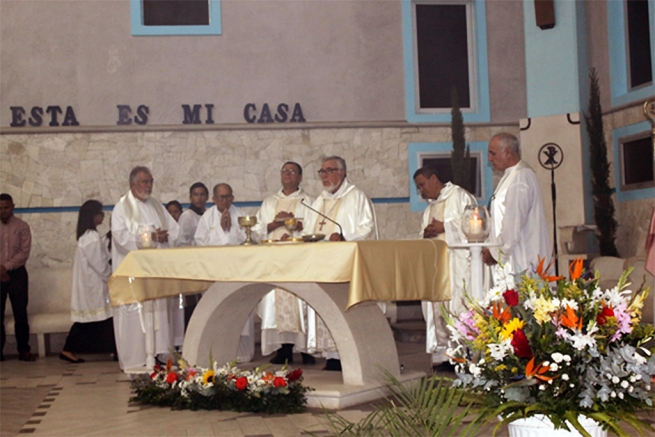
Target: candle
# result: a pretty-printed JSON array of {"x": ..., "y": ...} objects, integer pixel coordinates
[
  {"x": 146, "y": 240},
  {"x": 475, "y": 224}
]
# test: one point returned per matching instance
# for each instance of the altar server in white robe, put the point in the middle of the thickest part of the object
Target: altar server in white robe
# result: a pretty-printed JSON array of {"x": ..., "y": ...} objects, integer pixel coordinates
[
  {"x": 518, "y": 220},
  {"x": 442, "y": 221},
  {"x": 347, "y": 205},
  {"x": 132, "y": 212},
  {"x": 198, "y": 196},
  {"x": 219, "y": 226},
  {"x": 283, "y": 315}
]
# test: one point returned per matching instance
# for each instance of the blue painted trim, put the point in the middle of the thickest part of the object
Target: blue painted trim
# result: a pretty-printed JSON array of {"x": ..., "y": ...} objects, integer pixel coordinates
[
  {"x": 619, "y": 55},
  {"x": 247, "y": 204},
  {"x": 138, "y": 29},
  {"x": 617, "y": 134},
  {"x": 413, "y": 151},
  {"x": 482, "y": 112}
]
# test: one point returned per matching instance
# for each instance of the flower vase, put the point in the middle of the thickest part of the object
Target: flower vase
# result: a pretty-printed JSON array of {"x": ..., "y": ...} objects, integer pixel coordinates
[{"x": 541, "y": 426}]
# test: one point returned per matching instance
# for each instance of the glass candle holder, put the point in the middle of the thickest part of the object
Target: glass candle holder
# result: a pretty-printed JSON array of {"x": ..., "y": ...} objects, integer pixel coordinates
[
  {"x": 146, "y": 238},
  {"x": 475, "y": 223}
]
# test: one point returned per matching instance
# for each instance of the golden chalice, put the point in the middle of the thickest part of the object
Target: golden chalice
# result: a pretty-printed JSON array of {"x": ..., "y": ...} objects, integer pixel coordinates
[
  {"x": 247, "y": 222},
  {"x": 292, "y": 225}
]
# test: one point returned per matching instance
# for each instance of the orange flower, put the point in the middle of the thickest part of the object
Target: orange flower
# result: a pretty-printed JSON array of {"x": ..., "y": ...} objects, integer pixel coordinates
[
  {"x": 575, "y": 269},
  {"x": 536, "y": 371},
  {"x": 499, "y": 313},
  {"x": 571, "y": 319},
  {"x": 543, "y": 273}
]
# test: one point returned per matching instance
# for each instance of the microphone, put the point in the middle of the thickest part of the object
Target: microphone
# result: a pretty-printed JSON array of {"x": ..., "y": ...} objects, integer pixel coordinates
[{"x": 302, "y": 201}]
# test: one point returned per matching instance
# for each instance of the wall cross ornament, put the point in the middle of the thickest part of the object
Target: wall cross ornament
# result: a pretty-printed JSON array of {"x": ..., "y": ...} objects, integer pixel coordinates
[{"x": 551, "y": 156}]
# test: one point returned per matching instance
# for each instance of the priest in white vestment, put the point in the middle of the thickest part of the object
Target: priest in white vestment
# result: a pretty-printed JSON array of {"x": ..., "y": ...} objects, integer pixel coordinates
[
  {"x": 198, "y": 196},
  {"x": 219, "y": 226},
  {"x": 132, "y": 213},
  {"x": 518, "y": 220},
  {"x": 442, "y": 220},
  {"x": 284, "y": 316},
  {"x": 347, "y": 205}
]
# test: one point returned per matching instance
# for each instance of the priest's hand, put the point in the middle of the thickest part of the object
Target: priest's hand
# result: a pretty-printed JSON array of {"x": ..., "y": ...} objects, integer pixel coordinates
[
  {"x": 335, "y": 236},
  {"x": 226, "y": 220},
  {"x": 487, "y": 258},
  {"x": 161, "y": 235},
  {"x": 433, "y": 229},
  {"x": 278, "y": 222}
]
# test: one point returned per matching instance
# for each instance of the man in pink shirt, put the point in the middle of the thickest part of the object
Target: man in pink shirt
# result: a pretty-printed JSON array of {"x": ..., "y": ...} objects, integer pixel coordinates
[{"x": 15, "y": 244}]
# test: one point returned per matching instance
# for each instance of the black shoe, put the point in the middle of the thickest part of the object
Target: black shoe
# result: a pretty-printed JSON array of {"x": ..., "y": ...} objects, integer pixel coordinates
[
  {"x": 283, "y": 355},
  {"x": 443, "y": 367},
  {"x": 70, "y": 360},
  {"x": 26, "y": 356},
  {"x": 307, "y": 359},
  {"x": 333, "y": 365}
]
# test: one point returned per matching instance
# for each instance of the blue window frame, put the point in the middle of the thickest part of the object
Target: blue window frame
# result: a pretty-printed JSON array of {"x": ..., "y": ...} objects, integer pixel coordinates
[
  {"x": 479, "y": 108},
  {"x": 416, "y": 152},
  {"x": 139, "y": 29},
  {"x": 618, "y": 135},
  {"x": 622, "y": 93}
]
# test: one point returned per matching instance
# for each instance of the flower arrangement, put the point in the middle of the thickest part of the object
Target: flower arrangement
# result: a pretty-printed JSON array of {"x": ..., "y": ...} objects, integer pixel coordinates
[
  {"x": 542, "y": 345},
  {"x": 222, "y": 388}
]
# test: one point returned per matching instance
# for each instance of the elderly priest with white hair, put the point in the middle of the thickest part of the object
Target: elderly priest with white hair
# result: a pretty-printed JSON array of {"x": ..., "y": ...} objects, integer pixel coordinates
[
  {"x": 132, "y": 213},
  {"x": 348, "y": 206}
]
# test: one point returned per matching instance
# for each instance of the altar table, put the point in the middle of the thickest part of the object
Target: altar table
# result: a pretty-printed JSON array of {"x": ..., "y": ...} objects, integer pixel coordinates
[{"x": 340, "y": 280}]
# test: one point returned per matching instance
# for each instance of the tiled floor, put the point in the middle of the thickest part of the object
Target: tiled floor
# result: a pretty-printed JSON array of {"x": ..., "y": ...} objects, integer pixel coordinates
[{"x": 53, "y": 398}]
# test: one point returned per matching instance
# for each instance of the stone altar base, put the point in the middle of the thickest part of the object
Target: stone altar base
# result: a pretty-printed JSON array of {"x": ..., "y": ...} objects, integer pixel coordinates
[{"x": 331, "y": 393}]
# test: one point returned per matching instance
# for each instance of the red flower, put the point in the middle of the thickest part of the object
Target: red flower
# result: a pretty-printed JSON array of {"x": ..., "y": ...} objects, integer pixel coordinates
[
  {"x": 279, "y": 382},
  {"x": 241, "y": 383},
  {"x": 153, "y": 375},
  {"x": 604, "y": 314},
  {"x": 171, "y": 377},
  {"x": 295, "y": 375},
  {"x": 511, "y": 297},
  {"x": 521, "y": 345}
]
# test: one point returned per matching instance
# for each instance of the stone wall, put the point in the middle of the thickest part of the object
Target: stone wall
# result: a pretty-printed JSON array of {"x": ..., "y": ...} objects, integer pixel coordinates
[{"x": 63, "y": 170}]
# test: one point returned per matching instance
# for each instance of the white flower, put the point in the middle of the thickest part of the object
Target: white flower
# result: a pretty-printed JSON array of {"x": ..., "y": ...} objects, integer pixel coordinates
[
  {"x": 567, "y": 358},
  {"x": 615, "y": 379},
  {"x": 557, "y": 357},
  {"x": 571, "y": 385},
  {"x": 542, "y": 387},
  {"x": 565, "y": 376},
  {"x": 569, "y": 302},
  {"x": 613, "y": 394},
  {"x": 474, "y": 370},
  {"x": 499, "y": 351},
  {"x": 624, "y": 384},
  {"x": 639, "y": 359},
  {"x": 554, "y": 367},
  {"x": 621, "y": 395}
]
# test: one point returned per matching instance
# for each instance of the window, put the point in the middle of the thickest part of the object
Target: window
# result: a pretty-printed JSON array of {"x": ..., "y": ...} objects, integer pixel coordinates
[
  {"x": 639, "y": 41},
  {"x": 633, "y": 155},
  {"x": 445, "y": 48},
  {"x": 636, "y": 155},
  {"x": 631, "y": 28},
  {"x": 176, "y": 17},
  {"x": 438, "y": 154}
]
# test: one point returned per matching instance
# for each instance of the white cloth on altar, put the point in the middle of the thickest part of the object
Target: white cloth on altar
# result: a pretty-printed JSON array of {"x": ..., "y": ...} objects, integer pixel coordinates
[
  {"x": 518, "y": 221},
  {"x": 210, "y": 233},
  {"x": 128, "y": 214},
  {"x": 294, "y": 313},
  {"x": 188, "y": 223},
  {"x": 91, "y": 271},
  {"x": 352, "y": 209},
  {"x": 448, "y": 208}
]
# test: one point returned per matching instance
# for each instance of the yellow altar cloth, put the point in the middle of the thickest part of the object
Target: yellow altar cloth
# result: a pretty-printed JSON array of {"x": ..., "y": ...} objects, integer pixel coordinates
[{"x": 376, "y": 270}]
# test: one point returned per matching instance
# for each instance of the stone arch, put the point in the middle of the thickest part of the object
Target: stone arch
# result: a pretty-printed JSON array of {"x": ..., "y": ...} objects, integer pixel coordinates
[{"x": 362, "y": 335}]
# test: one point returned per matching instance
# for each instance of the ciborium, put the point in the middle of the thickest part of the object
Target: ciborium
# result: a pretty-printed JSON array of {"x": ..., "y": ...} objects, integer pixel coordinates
[
  {"x": 291, "y": 224},
  {"x": 247, "y": 222}
]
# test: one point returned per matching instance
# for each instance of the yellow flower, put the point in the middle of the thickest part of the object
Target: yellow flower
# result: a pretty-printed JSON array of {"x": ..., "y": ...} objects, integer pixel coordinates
[
  {"x": 542, "y": 309},
  {"x": 510, "y": 327},
  {"x": 209, "y": 374},
  {"x": 500, "y": 368}
]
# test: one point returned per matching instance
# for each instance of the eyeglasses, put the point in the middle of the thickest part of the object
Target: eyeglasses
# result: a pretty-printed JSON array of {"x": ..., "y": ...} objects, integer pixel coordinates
[
  {"x": 328, "y": 170},
  {"x": 288, "y": 171},
  {"x": 225, "y": 197}
]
